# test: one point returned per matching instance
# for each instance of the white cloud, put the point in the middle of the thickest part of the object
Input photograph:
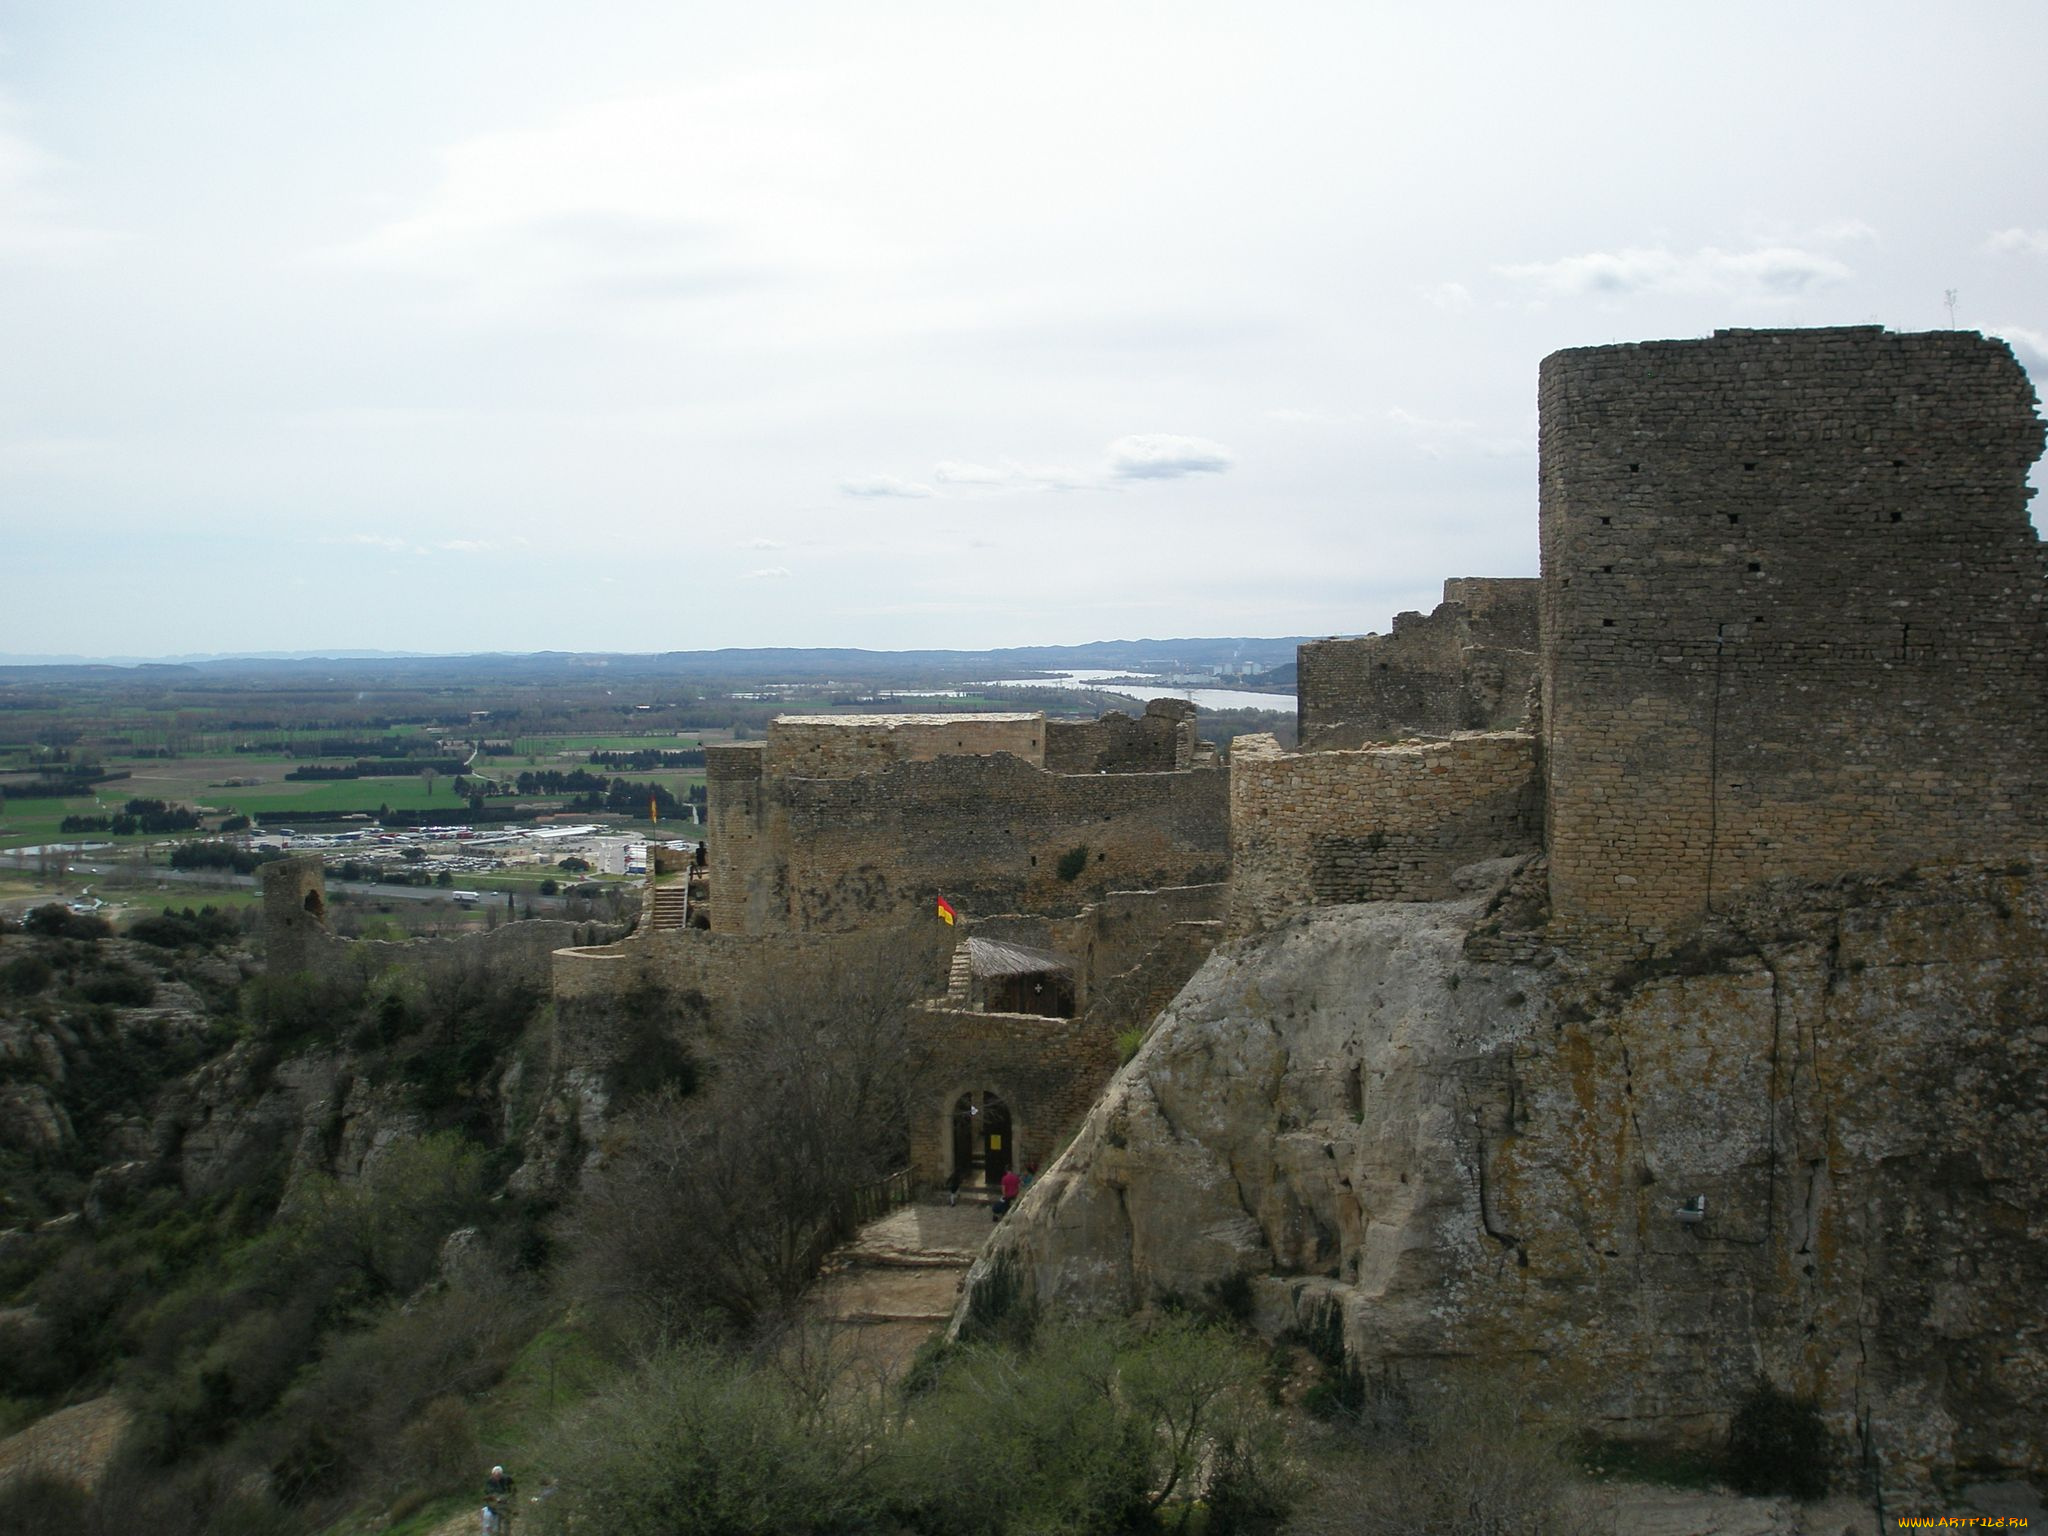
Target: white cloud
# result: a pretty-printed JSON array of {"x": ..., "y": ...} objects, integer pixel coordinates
[
  {"x": 769, "y": 573},
  {"x": 1141, "y": 456},
  {"x": 1446, "y": 438},
  {"x": 656, "y": 199},
  {"x": 882, "y": 485},
  {"x": 762, "y": 544},
  {"x": 34, "y": 224},
  {"x": 1009, "y": 475},
  {"x": 1767, "y": 272},
  {"x": 1453, "y": 298},
  {"x": 1160, "y": 456},
  {"x": 2031, "y": 345},
  {"x": 2018, "y": 242}
]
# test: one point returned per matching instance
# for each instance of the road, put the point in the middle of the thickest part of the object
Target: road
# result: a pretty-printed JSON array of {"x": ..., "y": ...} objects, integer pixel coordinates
[{"x": 215, "y": 880}]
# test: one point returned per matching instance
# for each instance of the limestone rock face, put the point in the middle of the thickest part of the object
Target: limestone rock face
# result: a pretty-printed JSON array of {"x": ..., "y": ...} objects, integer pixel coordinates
[{"x": 1812, "y": 1145}]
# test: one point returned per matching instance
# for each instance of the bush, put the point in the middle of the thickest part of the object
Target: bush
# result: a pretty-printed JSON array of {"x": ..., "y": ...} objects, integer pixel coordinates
[
  {"x": 25, "y": 975},
  {"x": 1094, "y": 1430},
  {"x": 1073, "y": 863},
  {"x": 56, "y": 921},
  {"x": 694, "y": 1442},
  {"x": 1778, "y": 1444},
  {"x": 46, "y": 1504},
  {"x": 204, "y": 929},
  {"x": 1470, "y": 1462},
  {"x": 116, "y": 986}
]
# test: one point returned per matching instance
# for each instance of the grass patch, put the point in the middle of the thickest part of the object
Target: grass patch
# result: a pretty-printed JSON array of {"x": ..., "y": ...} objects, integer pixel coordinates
[{"x": 561, "y": 1366}]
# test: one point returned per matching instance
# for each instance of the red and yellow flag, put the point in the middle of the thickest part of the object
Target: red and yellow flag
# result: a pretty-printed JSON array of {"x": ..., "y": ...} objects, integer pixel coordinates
[
  {"x": 946, "y": 912},
  {"x": 652, "y": 813}
]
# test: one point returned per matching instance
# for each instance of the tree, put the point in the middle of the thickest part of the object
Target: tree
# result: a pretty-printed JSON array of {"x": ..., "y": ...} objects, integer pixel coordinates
[{"x": 726, "y": 1201}]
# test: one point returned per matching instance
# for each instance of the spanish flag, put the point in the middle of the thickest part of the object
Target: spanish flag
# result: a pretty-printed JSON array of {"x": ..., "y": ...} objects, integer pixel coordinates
[{"x": 946, "y": 913}]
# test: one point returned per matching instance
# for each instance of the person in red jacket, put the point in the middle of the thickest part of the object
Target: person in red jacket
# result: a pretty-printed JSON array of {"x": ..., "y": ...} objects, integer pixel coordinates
[{"x": 1012, "y": 1186}]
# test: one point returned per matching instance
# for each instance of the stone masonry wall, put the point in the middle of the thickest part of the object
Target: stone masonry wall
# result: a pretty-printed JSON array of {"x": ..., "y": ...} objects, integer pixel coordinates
[
  {"x": 1048, "y": 1071},
  {"x": 1158, "y": 741},
  {"x": 1793, "y": 617},
  {"x": 1466, "y": 666},
  {"x": 1376, "y": 824},
  {"x": 795, "y": 854},
  {"x": 841, "y": 746}
]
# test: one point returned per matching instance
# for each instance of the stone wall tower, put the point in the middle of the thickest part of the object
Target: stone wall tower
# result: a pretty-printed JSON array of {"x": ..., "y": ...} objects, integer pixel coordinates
[
  {"x": 1792, "y": 617},
  {"x": 294, "y": 912}
]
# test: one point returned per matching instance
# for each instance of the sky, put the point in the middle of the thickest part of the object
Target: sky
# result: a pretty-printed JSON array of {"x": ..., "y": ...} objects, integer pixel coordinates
[{"x": 492, "y": 325}]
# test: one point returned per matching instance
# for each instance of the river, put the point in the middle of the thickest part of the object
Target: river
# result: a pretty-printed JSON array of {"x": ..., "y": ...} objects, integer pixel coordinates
[{"x": 1097, "y": 680}]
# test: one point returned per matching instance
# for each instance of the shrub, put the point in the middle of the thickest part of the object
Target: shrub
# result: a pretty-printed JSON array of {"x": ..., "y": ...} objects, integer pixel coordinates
[
  {"x": 45, "y": 1503},
  {"x": 1469, "y": 1463},
  {"x": 56, "y": 921},
  {"x": 203, "y": 929},
  {"x": 1778, "y": 1444},
  {"x": 1094, "y": 1430},
  {"x": 25, "y": 975},
  {"x": 1073, "y": 863},
  {"x": 694, "y": 1442},
  {"x": 116, "y": 986}
]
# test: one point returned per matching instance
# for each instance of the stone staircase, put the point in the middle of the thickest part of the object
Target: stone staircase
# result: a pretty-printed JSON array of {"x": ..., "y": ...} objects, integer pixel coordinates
[
  {"x": 903, "y": 1271},
  {"x": 960, "y": 981},
  {"x": 668, "y": 906}
]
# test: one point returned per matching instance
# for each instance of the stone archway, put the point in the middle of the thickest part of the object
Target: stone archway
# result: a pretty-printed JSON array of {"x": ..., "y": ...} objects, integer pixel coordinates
[{"x": 981, "y": 1140}]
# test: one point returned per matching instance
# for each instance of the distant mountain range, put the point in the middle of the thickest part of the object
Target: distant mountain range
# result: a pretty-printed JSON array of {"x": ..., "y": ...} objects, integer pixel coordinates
[{"x": 787, "y": 664}]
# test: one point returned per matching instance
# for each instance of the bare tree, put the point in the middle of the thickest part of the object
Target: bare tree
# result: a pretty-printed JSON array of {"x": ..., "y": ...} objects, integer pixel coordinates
[{"x": 722, "y": 1204}]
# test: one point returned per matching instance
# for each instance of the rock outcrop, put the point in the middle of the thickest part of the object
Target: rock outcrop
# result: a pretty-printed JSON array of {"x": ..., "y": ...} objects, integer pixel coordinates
[{"x": 1811, "y": 1146}]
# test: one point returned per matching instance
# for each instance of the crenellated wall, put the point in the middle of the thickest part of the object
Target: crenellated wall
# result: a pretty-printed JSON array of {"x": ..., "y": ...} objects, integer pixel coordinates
[{"x": 1793, "y": 617}]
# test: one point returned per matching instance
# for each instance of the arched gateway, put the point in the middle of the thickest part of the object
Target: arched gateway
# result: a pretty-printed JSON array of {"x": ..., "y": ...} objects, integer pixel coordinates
[{"x": 984, "y": 1143}]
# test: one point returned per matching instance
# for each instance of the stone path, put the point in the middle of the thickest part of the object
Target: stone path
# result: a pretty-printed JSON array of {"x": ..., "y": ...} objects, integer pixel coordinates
[
  {"x": 74, "y": 1442},
  {"x": 897, "y": 1280}
]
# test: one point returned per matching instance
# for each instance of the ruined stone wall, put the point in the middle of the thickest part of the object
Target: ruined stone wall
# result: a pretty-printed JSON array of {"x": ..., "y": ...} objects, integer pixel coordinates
[
  {"x": 296, "y": 936},
  {"x": 1375, "y": 824},
  {"x": 1793, "y": 617},
  {"x": 841, "y": 746},
  {"x": 792, "y": 854},
  {"x": 1466, "y": 666},
  {"x": 1048, "y": 1071},
  {"x": 1158, "y": 741},
  {"x": 990, "y": 834}
]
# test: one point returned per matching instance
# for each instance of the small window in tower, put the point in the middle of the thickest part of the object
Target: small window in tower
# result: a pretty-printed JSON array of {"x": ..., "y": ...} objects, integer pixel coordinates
[
  {"x": 1751, "y": 464},
  {"x": 1605, "y": 521},
  {"x": 1898, "y": 517},
  {"x": 1734, "y": 518},
  {"x": 1607, "y": 623},
  {"x": 1755, "y": 566}
]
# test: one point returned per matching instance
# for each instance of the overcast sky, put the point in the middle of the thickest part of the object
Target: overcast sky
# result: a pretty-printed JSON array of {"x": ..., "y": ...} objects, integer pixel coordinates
[{"x": 456, "y": 326}]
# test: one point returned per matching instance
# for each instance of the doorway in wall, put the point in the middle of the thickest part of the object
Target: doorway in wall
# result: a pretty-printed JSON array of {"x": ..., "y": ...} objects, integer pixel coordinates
[{"x": 983, "y": 1146}]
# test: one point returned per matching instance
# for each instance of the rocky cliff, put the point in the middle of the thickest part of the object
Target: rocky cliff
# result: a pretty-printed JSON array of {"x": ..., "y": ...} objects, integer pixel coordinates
[{"x": 1811, "y": 1145}]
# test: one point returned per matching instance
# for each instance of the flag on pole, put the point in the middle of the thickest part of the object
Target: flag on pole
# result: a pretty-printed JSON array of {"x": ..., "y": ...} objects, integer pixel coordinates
[
  {"x": 652, "y": 813},
  {"x": 946, "y": 913}
]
